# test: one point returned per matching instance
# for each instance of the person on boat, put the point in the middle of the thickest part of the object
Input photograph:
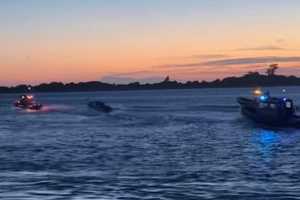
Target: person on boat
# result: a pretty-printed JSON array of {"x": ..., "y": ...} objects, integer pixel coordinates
[{"x": 25, "y": 100}]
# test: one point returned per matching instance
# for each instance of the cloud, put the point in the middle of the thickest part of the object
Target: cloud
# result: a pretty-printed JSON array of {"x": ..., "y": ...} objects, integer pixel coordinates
[
  {"x": 142, "y": 76},
  {"x": 134, "y": 73},
  {"x": 263, "y": 48},
  {"x": 252, "y": 60},
  {"x": 126, "y": 80},
  {"x": 280, "y": 41},
  {"x": 196, "y": 56},
  {"x": 236, "y": 61},
  {"x": 208, "y": 56},
  {"x": 180, "y": 65}
]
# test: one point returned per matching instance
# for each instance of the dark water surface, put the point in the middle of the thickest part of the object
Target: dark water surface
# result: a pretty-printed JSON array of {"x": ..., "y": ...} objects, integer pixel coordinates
[{"x": 169, "y": 144}]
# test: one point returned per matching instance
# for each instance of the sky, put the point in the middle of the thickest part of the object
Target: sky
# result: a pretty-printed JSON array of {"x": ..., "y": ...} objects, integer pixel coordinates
[{"x": 145, "y": 40}]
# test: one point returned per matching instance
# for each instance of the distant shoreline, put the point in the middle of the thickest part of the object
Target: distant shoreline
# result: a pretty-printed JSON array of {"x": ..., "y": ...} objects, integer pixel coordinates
[{"x": 251, "y": 79}]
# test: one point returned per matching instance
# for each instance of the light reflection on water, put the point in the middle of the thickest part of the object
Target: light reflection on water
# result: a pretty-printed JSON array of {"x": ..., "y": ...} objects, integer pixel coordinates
[{"x": 267, "y": 142}]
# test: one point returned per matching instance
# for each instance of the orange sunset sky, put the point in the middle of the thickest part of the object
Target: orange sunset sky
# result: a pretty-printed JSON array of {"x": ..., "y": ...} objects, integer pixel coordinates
[{"x": 127, "y": 40}]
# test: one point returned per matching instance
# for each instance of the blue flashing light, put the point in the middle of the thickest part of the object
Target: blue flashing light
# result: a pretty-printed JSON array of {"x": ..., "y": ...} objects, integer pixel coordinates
[
  {"x": 284, "y": 99},
  {"x": 263, "y": 98}
]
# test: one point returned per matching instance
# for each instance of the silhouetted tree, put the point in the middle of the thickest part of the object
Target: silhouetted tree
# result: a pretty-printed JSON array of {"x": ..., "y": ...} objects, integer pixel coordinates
[
  {"x": 167, "y": 79},
  {"x": 272, "y": 69},
  {"x": 252, "y": 73}
]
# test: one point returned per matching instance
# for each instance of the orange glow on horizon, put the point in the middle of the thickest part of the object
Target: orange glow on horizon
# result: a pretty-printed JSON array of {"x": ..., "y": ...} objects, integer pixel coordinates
[{"x": 90, "y": 50}]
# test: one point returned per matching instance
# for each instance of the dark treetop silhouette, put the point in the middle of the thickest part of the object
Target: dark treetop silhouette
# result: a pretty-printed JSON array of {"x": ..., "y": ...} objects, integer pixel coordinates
[{"x": 251, "y": 79}]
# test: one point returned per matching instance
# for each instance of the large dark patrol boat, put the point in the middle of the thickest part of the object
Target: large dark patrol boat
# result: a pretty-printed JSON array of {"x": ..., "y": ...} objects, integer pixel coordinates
[{"x": 274, "y": 111}]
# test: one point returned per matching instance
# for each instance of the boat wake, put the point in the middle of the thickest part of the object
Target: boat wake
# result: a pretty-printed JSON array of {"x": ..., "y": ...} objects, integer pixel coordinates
[
  {"x": 183, "y": 108},
  {"x": 218, "y": 108},
  {"x": 56, "y": 108}
]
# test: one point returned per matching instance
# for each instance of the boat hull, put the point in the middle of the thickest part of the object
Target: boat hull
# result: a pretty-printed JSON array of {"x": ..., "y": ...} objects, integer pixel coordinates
[
  {"x": 30, "y": 107},
  {"x": 273, "y": 117},
  {"x": 100, "y": 106}
]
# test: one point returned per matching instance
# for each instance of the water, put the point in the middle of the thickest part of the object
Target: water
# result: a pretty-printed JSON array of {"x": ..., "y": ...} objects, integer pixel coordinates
[{"x": 168, "y": 144}]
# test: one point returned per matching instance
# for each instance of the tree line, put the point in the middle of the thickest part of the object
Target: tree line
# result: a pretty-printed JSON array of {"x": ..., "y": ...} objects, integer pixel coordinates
[{"x": 250, "y": 79}]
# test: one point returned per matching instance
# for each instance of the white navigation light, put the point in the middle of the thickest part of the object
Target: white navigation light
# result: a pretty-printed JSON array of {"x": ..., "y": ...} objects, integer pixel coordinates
[{"x": 288, "y": 104}]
